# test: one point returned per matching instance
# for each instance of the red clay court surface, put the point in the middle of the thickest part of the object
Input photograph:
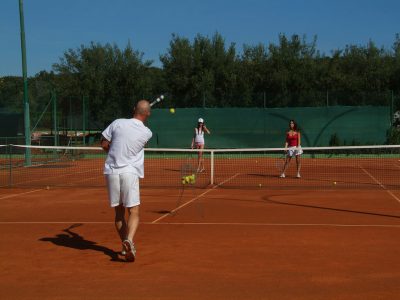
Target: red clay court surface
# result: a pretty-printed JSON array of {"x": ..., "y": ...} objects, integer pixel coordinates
[{"x": 219, "y": 244}]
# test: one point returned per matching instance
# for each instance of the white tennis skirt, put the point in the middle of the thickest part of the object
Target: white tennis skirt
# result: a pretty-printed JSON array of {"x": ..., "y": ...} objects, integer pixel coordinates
[{"x": 294, "y": 151}]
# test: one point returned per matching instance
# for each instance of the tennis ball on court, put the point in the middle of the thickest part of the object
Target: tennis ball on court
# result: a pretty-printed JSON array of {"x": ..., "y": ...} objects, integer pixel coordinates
[{"x": 172, "y": 110}]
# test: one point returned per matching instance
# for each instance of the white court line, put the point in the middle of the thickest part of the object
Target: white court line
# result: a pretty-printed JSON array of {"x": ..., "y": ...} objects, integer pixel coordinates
[
  {"x": 214, "y": 224},
  {"x": 380, "y": 184},
  {"x": 194, "y": 199},
  {"x": 19, "y": 194},
  {"x": 45, "y": 178}
]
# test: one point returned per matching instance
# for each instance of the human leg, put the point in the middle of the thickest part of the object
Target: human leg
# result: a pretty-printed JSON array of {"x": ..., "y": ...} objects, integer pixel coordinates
[
  {"x": 200, "y": 162},
  {"x": 133, "y": 222},
  {"x": 287, "y": 161},
  {"x": 298, "y": 164},
  {"x": 114, "y": 196},
  {"x": 120, "y": 223},
  {"x": 130, "y": 196}
]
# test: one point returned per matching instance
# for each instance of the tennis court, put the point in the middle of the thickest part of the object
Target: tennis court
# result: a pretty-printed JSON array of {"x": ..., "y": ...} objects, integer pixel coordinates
[{"x": 333, "y": 234}]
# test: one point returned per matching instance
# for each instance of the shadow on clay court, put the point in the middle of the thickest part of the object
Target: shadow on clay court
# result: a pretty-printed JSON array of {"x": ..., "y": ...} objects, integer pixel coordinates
[
  {"x": 330, "y": 208},
  {"x": 73, "y": 240}
]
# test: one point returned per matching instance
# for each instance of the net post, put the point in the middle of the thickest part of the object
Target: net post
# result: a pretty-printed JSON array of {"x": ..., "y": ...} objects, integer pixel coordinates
[
  {"x": 55, "y": 126},
  {"x": 27, "y": 122},
  {"x": 212, "y": 168},
  {"x": 84, "y": 119},
  {"x": 9, "y": 165}
]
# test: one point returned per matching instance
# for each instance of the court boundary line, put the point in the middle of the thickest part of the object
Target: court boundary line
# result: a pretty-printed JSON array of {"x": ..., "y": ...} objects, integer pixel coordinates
[
  {"x": 207, "y": 224},
  {"x": 194, "y": 199},
  {"x": 19, "y": 194},
  {"x": 380, "y": 184},
  {"x": 21, "y": 184}
]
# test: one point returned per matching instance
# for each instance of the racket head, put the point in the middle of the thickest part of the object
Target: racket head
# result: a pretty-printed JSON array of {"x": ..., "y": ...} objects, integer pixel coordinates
[{"x": 280, "y": 161}]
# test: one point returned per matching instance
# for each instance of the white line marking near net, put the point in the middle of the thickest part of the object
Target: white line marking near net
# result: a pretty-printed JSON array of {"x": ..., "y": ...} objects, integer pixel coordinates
[
  {"x": 195, "y": 198},
  {"x": 19, "y": 194},
  {"x": 43, "y": 179},
  {"x": 213, "y": 224},
  {"x": 380, "y": 184},
  {"x": 54, "y": 222}
]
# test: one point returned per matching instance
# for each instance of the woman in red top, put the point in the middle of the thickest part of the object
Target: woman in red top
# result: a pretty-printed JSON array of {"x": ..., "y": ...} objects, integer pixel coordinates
[{"x": 292, "y": 148}]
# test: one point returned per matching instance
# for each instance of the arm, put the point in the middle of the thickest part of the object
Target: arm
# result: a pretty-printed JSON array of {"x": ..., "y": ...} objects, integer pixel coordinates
[
  {"x": 105, "y": 144},
  {"x": 299, "y": 140},
  {"x": 106, "y": 137},
  {"x": 206, "y": 129},
  {"x": 194, "y": 135},
  {"x": 286, "y": 142}
]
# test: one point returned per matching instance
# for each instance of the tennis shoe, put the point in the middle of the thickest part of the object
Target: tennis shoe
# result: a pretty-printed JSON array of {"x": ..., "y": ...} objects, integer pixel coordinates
[
  {"x": 282, "y": 175},
  {"x": 130, "y": 251}
]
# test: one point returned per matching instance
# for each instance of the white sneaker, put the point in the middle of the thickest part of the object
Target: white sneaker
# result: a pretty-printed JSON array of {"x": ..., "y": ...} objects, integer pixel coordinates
[
  {"x": 129, "y": 250},
  {"x": 282, "y": 175}
]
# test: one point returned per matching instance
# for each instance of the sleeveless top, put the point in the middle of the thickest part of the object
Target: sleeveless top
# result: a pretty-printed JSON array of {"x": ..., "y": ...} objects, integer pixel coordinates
[
  {"x": 292, "y": 140},
  {"x": 199, "y": 136}
]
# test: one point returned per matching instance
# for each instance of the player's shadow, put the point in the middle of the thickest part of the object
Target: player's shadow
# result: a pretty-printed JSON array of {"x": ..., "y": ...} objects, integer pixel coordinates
[{"x": 73, "y": 240}]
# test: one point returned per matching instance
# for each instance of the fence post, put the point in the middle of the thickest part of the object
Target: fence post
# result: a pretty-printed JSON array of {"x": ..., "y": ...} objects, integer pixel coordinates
[
  {"x": 9, "y": 166},
  {"x": 212, "y": 168}
]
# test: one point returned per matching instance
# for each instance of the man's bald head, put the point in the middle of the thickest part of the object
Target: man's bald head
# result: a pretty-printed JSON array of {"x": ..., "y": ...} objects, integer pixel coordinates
[{"x": 142, "y": 110}]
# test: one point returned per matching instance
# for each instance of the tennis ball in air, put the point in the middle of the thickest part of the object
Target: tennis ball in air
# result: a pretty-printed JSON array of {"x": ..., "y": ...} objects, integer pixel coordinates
[{"x": 172, "y": 110}]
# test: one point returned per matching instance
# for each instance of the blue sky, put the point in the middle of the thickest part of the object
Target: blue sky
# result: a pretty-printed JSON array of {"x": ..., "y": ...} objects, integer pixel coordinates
[{"x": 53, "y": 26}]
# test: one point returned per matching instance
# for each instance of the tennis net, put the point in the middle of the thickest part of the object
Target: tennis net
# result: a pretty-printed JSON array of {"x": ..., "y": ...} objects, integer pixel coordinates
[{"x": 354, "y": 167}]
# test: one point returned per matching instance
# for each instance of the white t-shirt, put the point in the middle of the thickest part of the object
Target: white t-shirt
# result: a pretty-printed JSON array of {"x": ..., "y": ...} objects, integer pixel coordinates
[{"x": 128, "y": 138}]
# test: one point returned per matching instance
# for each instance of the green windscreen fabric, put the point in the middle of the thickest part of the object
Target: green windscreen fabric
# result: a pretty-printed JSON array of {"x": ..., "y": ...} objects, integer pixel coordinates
[
  {"x": 258, "y": 127},
  {"x": 11, "y": 124}
]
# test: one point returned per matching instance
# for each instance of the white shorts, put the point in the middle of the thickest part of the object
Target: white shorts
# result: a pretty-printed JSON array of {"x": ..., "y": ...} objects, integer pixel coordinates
[
  {"x": 294, "y": 151},
  {"x": 123, "y": 189}
]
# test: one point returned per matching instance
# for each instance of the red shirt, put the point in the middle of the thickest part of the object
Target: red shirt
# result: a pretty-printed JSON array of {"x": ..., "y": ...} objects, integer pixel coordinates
[{"x": 292, "y": 140}]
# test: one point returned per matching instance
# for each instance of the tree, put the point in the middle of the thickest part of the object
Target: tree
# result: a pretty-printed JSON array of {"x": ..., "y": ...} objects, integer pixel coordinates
[{"x": 112, "y": 79}]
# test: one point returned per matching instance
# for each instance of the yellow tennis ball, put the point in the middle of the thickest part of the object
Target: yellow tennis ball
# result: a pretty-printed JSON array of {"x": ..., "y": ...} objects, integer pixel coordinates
[{"x": 172, "y": 110}]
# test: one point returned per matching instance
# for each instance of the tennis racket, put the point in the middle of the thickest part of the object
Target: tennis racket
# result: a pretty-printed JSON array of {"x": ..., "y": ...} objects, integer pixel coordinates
[
  {"x": 280, "y": 162},
  {"x": 158, "y": 100}
]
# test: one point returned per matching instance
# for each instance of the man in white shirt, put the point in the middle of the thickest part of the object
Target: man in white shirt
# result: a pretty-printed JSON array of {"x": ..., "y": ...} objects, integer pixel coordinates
[{"x": 124, "y": 141}]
